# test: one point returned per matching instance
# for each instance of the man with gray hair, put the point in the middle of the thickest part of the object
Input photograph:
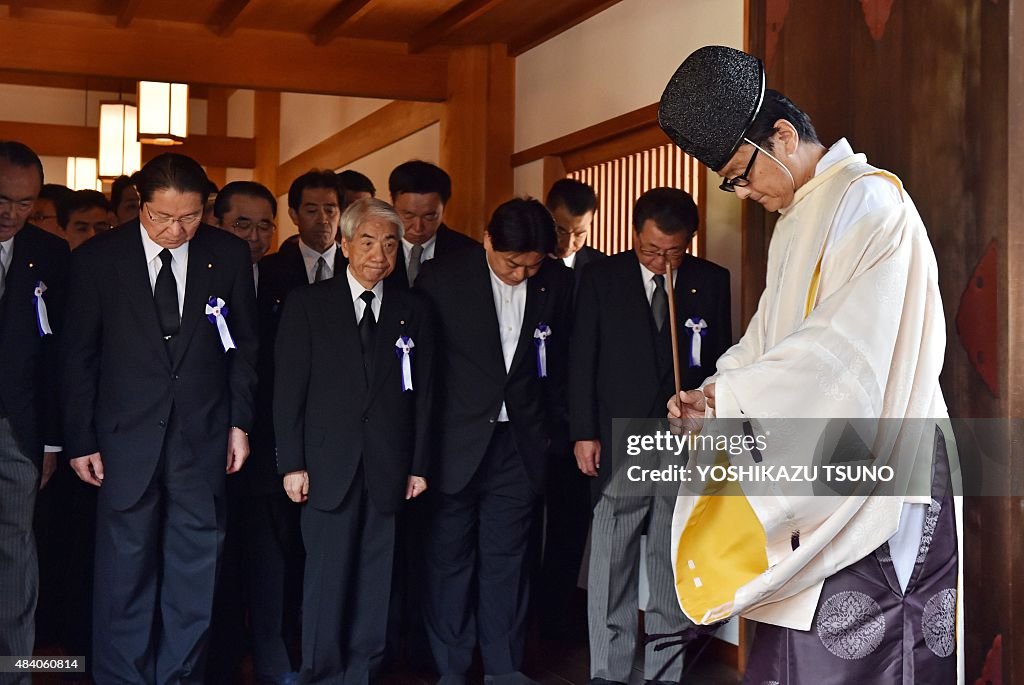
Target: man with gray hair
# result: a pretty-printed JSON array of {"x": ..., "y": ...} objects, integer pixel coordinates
[{"x": 352, "y": 400}]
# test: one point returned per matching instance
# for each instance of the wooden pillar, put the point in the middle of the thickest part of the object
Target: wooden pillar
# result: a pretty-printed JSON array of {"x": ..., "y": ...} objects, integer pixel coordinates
[
  {"x": 477, "y": 134},
  {"x": 217, "y": 125},
  {"x": 267, "y": 132}
]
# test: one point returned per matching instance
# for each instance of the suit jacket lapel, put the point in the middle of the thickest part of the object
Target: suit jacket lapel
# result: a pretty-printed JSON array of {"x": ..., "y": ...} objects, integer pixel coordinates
[
  {"x": 201, "y": 265},
  {"x": 393, "y": 320},
  {"x": 338, "y": 316},
  {"x": 478, "y": 297},
  {"x": 134, "y": 274},
  {"x": 536, "y": 298}
]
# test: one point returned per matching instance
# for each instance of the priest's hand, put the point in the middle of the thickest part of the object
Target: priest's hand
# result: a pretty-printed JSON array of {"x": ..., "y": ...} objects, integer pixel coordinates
[
  {"x": 686, "y": 411},
  {"x": 49, "y": 467},
  {"x": 588, "y": 456},
  {"x": 415, "y": 486},
  {"x": 238, "y": 449},
  {"x": 296, "y": 484}
]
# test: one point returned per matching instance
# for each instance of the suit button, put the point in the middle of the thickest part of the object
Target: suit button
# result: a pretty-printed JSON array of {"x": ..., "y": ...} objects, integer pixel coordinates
[
  {"x": 162, "y": 422},
  {"x": 366, "y": 419},
  {"x": 493, "y": 420},
  {"x": 174, "y": 376}
]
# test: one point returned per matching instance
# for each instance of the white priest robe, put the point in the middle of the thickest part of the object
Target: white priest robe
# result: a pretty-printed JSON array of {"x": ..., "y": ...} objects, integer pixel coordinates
[{"x": 850, "y": 325}]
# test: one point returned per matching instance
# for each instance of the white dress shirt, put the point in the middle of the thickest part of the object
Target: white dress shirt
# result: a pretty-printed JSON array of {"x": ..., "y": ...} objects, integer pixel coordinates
[
  {"x": 510, "y": 305},
  {"x": 428, "y": 250},
  {"x": 570, "y": 261},
  {"x": 648, "y": 277},
  {"x": 310, "y": 257},
  {"x": 256, "y": 276},
  {"x": 357, "y": 289},
  {"x": 179, "y": 264}
]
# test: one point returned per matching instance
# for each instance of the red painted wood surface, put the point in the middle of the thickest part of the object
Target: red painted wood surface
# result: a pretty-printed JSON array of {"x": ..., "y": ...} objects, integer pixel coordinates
[{"x": 977, "y": 317}]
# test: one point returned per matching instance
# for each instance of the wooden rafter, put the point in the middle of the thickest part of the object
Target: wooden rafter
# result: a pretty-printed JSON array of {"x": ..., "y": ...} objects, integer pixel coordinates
[
  {"x": 83, "y": 141},
  {"x": 329, "y": 25},
  {"x": 225, "y": 17},
  {"x": 376, "y": 130},
  {"x": 127, "y": 12},
  {"x": 451, "y": 21},
  {"x": 183, "y": 53}
]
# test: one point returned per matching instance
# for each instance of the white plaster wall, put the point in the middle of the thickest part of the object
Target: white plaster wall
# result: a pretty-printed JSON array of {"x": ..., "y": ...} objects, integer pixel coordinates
[
  {"x": 308, "y": 119},
  {"x": 241, "y": 110}
]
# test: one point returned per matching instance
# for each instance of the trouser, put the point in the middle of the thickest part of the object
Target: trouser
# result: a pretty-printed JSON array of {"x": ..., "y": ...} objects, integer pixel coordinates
[{"x": 613, "y": 587}]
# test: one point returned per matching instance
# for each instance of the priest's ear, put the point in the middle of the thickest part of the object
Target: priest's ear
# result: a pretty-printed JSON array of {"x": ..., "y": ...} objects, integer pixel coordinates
[{"x": 788, "y": 140}]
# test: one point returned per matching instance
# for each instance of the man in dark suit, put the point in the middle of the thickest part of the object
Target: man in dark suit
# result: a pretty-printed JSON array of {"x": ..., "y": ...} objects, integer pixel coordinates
[
  {"x": 159, "y": 375},
  {"x": 261, "y": 569},
  {"x": 566, "y": 512},
  {"x": 352, "y": 416},
  {"x": 33, "y": 266},
  {"x": 621, "y": 368},
  {"x": 573, "y": 204},
  {"x": 419, "y": 191},
  {"x": 504, "y": 316}
]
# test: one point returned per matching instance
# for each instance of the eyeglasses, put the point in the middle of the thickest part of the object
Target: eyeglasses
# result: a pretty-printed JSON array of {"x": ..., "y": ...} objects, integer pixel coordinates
[
  {"x": 247, "y": 225},
  {"x": 670, "y": 253},
  {"x": 563, "y": 231},
  {"x": 730, "y": 185},
  {"x": 187, "y": 221}
]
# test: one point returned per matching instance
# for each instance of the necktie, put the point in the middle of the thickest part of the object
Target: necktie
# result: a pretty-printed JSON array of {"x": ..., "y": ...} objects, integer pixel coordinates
[
  {"x": 659, "y": 302},
  {"x": 321, "y": 264},
  {"x": 165, "y": 293},
  {"x": 3, "y": 272},
  {"x": 367, "y": 329},
  {"x": 415, "y": 259}
]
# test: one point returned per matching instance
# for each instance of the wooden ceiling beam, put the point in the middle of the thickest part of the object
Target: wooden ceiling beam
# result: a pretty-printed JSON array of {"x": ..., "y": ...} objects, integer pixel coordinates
[
  {"x": 16, "y": 9},
  {"x": 376, "y": 130},
  {"x": 83, "y": 141},
  {"x": 328, "y": 26},
  {"x": 560, "y": 22},
  {"x": 183, "y": 53},
  {"x": 451, "y": 21},
  {"x": 226, "y": 16},
  {"x": 126, "y": 13}
]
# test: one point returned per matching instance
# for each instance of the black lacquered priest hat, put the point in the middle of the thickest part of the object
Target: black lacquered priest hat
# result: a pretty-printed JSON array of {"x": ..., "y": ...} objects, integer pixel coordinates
[{"x": 711, "y": 101}]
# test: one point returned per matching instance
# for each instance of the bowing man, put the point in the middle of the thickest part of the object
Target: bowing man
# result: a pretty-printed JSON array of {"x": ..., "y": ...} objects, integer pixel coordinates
[
  {"x": 504, "y": 314},
  {"x": 33, "y": 263},
  {"x": 351, "y": 414},
  {"x": 159, "y": 376}
]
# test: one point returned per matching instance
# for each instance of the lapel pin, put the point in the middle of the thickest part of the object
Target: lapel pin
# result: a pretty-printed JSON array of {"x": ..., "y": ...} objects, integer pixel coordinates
[
  {"x": 402, "y": 322},
  {"x": 543, "y": 289},
  {"x": 693, "y": 290},
  {"x": 209, "y": 266},
  {"x": 31, "y": 265}
]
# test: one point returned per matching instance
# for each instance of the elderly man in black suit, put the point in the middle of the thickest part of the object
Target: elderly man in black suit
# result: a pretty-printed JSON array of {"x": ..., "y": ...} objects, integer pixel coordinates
[
  {"x": 352, "y": 414},
  {"x": 621, "y": 368},
  {"x": 159, "y": 375},
  {"x": 419, "y": 191},
  {"x": 504, "y": 316},
  {"x": 33, "y": 265}
]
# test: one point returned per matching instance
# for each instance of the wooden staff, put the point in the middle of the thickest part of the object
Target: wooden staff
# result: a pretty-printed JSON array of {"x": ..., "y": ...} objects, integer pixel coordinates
[{"x": 672, "y": 325}]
